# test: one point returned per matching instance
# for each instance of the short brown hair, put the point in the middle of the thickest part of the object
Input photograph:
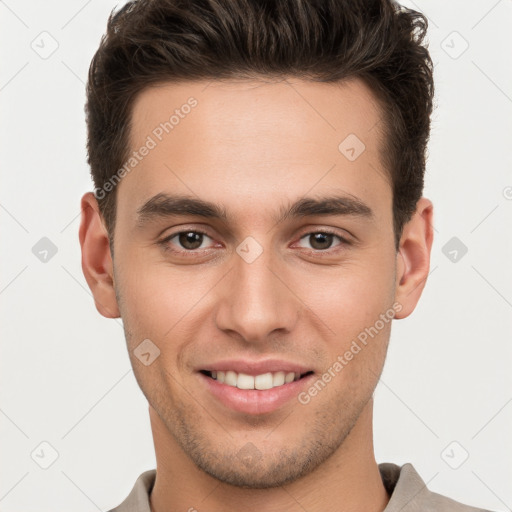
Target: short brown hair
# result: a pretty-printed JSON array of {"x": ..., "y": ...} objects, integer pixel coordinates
[{"x": 155, "y": 41}]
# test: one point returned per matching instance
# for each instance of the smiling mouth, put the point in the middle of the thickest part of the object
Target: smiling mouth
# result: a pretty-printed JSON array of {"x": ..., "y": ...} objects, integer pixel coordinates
[{"x": 261, "y": 382}]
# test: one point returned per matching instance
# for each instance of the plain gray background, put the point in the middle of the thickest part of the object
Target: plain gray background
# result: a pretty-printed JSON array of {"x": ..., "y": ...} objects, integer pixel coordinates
[{"x": 444, "y": 402}]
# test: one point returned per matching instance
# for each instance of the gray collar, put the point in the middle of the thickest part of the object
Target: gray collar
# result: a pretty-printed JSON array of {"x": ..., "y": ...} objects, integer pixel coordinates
[{"x": 408, "y": 491}]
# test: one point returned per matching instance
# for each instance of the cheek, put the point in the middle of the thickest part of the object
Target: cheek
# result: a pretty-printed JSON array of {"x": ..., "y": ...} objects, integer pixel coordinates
[
  {"x": 351, "y": 296},
  {"x": 155, "y": 298}
]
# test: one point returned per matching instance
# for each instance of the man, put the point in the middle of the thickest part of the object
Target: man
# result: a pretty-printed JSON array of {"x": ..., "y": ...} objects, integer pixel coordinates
[{"x": 258, "y": 222}]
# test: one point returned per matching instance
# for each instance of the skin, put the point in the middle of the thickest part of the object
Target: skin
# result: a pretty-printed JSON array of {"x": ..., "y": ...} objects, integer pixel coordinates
[{"x": 254, "y": 147}]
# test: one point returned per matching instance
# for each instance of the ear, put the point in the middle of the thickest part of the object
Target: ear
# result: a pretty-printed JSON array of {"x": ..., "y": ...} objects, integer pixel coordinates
[
  {"x": 96, "y": 258},
  {"x": 413, "y": 257}
]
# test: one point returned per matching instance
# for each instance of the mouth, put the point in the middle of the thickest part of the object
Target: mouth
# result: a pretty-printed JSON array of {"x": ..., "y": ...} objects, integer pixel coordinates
[
  {"x": 260, "y": 382},
  {"x": 260, "y": 394}
]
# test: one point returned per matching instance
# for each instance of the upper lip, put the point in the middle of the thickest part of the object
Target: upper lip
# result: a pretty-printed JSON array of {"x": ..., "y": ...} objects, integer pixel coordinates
[{"x": 254, "y": 368}]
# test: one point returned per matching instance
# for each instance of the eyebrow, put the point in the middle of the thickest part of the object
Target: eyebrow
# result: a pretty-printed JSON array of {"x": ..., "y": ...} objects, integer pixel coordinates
[{"x": 164, "y": 205}]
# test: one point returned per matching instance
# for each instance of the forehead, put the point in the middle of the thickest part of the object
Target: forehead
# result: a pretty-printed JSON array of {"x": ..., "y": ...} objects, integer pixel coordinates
[
  {"x": 237, "y": 109},
  {"x": 253, "y": 141}
]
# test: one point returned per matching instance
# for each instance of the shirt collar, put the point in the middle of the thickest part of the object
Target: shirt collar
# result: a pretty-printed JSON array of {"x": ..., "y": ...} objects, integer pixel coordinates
[{"x": 408, "y": 491}]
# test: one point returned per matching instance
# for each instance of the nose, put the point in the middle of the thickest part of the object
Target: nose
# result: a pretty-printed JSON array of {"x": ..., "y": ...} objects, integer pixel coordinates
[{"x": 257, "y": 299}]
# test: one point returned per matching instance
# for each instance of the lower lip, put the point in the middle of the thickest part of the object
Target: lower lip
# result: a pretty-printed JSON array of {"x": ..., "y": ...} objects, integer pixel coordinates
[{"x": 255, "y": 401}]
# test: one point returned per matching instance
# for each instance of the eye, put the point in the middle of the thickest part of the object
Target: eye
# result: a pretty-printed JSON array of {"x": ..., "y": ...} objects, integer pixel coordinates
[
  {"x": 322, "y": 240},
  {"x": 187, "y": 241},
  {"x": 191, "y": 240}
]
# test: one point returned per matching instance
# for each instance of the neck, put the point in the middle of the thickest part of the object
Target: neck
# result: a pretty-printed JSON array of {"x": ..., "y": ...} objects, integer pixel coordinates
[{"x": 349, "y": 480}]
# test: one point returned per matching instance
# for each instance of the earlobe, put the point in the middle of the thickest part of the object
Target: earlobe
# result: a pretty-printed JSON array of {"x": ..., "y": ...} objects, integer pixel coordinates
[
  {"x": 413, "y": 258},
  {"x": 96, "y": 258}
]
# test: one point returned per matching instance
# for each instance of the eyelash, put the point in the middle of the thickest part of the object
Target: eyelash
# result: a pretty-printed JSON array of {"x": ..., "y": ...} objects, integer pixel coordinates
[{"x": 193, "y": 253}]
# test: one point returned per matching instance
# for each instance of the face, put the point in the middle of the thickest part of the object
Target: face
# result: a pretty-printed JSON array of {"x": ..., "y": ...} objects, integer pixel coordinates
[{"x": 255, "y": 236}]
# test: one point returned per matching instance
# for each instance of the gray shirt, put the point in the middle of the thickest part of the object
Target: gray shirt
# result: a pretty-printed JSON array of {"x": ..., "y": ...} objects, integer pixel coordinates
[{"x": 408, "y": 493}]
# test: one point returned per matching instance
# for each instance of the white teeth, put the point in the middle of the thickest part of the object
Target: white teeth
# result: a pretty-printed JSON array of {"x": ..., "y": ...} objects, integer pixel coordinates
[
  {"x": 230, "y": 378},
  {"x": 278, "y": 379},
  {"x": 244, "y": 381},
  {"x": 264, "y": 381},
  {"x": 289, "y": 377}
]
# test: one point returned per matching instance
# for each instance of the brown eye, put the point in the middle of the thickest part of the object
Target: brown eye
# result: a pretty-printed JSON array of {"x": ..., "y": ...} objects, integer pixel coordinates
[
  {"x": 190, "y": 239},
  {"x": 184, "y": 241},
  {"x": 321, "y": 240}
]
